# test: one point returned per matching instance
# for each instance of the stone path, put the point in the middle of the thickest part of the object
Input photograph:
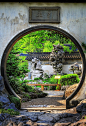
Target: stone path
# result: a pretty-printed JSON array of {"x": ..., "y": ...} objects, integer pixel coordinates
[
  {"x": 54, "y": 93},
  {"x": 54, "y": 99},
  {"x": 45, "y": 118},
  {"x": 69, "y": 117}
]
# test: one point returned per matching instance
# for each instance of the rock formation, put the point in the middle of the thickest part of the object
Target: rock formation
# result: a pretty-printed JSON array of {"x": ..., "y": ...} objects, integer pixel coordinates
[
  {"x": 56, "y": 58},
  {"x": 76, "y": 69},
  {"x": 4, "y": 100},
  {"x": 36, "y": 69},
  {"x": 70, "y": 90},
  {"x": 3, "y": 94}
]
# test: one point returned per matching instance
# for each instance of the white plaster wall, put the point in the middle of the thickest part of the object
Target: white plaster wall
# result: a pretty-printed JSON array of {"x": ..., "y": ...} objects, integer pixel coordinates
[
  {"x": 14, "y": 18},
  {"x": 48, "y": 69},
  {"x": 66, "y": 68}
]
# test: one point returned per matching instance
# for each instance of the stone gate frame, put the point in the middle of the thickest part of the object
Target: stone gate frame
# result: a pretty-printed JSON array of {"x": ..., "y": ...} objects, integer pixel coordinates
[{"x": 32, "y": 29}]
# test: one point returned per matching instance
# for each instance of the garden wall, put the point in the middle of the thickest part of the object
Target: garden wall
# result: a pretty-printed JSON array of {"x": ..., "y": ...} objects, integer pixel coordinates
[
  {"x": 48, "y": 69},
  {"x": 14, "y": 18}
]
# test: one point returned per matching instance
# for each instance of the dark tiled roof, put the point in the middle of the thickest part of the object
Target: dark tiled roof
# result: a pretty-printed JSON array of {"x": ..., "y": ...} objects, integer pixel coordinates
[
  {"x": 46, "y": 55},
  {"x": 73, "y": 55},
  {"x": 56, "y": 1}
]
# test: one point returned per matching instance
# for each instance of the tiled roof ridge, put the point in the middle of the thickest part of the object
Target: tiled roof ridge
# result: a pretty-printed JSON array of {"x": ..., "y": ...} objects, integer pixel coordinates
[{"x": 46, "y": 55}]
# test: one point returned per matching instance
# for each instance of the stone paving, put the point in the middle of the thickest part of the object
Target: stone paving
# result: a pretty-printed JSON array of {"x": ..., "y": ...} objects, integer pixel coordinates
[
  {"x": 69, "y": 117},
  {"x": 54, "y": 93},
  {"x": 53, "y": 99},
  {"x": 44, "y": 118}
]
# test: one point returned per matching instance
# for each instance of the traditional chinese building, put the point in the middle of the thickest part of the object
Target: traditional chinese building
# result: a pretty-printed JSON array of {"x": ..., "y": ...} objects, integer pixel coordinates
[{"x": 69, "y": 59}]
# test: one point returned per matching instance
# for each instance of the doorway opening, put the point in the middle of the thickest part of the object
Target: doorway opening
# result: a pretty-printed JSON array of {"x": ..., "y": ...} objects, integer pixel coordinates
[{"x": 32, "y": 31}]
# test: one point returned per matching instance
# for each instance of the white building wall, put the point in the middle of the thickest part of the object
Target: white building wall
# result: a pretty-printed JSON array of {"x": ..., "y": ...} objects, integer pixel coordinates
[
  {"x": 49, "y": 69},
  {"x": 66, "y": 68}
]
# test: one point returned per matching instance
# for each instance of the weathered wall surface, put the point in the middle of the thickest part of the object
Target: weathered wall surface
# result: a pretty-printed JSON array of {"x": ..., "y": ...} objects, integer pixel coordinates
[{"x": 14, "y": 18}]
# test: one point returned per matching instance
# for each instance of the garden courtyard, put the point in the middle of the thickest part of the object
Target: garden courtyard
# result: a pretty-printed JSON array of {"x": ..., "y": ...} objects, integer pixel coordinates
[
  {"x": 42, "y": 81},
  {"x": 43, "y": 63},
  {"x": 43, "y": 68}
]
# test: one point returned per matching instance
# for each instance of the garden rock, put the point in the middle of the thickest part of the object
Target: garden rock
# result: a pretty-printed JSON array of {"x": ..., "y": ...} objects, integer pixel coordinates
[
  {"x": 43, "y": 119},
  {"x": 2, "y": 117},
  {"x": 33, "y": 118},
  {"x": 4, "y": 99},
  {"x": 62, "y": 124},
  {"x": 81, "y": 108},
  {"x": 36, "y": 69},
  {"x": 63, "y": 88},
  {"x": 29, "y": 122},
  {"x": 21, "y": 124},
  {"x": 46, "y": 117},
  {"x": 21, "y": 118},
  {"x": 11, "y": 106},
  {"x": 3, "y": 93},
  {"x": 56, "y": 58},
  {"x": 81, "y": 122},
  {"x": 70, "y": 90},
  {"x": 76, "y": 69},
  {"x": 11, "y": 124}
]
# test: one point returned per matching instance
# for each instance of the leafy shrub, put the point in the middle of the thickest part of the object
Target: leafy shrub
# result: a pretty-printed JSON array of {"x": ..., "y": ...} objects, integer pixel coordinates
[
  {"x": 28, "y": 88},
  {"x": 68, "y": 79},
  {"x": 52, "y": 80},
  {"x": 36, "y": 78},
  {"x": 27, "y": 96},
  {"x": 16, "y": 66},
  {"x": 15, "y": 84},
  {"x": 16, "y": 101},
  {"x": 9, "y": 111}
]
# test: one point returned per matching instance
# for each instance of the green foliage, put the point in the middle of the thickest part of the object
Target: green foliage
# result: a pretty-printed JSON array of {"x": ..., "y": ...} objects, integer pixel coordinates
[
  {"x": 42, "y": 41},
  {"x": 19, "y": 85},
  {"x": 27, "y": 96},
  {"x": 48, "y": 46},
  {"x": 15, "y": 84},
  {"x": 84, "y": 46},
  {"x": 27, "y": 88},
  {"x": 36, "y": 79},
  {"x": 16, "y": 67},
  {"x": 68, "y": 79},
  {"x": 52, "y": 80},
  {"x": 23, "y": 68},
  {"x": 12, "y": 65},
  {"x": 16, "y": 101},
  {"x": 9, "y": 111},
  {"x": 58, "y": 87}
]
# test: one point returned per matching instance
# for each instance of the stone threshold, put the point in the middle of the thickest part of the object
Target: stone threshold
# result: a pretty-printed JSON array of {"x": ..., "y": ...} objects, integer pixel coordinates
[{"x": 45, "y": 108}]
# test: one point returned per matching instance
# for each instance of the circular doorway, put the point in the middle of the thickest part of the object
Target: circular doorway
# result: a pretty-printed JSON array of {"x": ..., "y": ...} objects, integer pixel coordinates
[{"x": 32, "y": 29}]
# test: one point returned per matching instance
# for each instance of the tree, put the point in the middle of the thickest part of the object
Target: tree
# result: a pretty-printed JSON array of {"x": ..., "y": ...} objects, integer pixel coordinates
[
  {"x": 12, "y": 65},
  {"x": 42, "y": 41},
  {"x": 16, "y": 66}
]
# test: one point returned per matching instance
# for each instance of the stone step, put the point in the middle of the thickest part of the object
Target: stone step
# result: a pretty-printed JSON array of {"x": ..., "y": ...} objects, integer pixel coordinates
[{"x": 45, "y": 108}]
